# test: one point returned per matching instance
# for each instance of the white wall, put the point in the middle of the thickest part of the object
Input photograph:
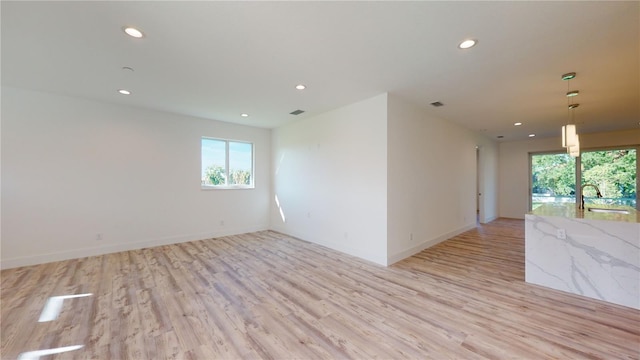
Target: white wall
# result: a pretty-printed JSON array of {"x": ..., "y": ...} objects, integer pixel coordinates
[
  {"x": 73, "y": 168},
  {"x": 329, "y": 175},
  {"x": 432, "y": 179},
  {"x": 514, "y": 165}
]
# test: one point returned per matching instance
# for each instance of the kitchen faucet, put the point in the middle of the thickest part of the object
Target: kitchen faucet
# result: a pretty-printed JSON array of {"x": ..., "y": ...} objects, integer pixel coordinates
[{"x": 598, "y": 194}]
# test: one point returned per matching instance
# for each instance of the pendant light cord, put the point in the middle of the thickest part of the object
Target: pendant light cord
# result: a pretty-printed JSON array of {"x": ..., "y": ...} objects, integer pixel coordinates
[{"x": 568, "y": 102}]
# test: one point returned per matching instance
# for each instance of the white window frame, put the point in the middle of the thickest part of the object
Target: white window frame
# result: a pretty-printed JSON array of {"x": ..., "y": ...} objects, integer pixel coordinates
[{"x": 226, "y": 165}]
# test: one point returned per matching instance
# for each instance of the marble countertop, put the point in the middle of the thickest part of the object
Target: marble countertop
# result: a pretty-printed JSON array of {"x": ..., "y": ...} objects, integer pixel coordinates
[{"x": 570, "y": 210}]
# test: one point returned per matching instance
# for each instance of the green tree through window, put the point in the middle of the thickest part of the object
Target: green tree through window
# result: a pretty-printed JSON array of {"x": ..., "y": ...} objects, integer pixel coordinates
[
  {"x": 553, "y": 174},
  {"x": 226, "y": 163},
  {"x": 612, "y": 171}
]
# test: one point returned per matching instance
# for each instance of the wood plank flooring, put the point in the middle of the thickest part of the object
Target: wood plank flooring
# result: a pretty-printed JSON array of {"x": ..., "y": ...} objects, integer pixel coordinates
[{"x": 266, "y": 295}]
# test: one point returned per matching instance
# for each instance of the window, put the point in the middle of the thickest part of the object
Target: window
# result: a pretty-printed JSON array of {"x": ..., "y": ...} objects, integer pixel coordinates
[
  {"x": 553, "y": 179},
  {"x": 612, "y": 171},
  {"x": 226, "y": 164}
]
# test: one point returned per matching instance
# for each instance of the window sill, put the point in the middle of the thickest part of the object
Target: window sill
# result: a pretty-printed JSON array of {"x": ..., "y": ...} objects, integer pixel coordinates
[{"x": 231, "y": 187}]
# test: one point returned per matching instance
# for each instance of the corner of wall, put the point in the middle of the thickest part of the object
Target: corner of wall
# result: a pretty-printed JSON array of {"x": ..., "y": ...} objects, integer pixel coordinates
[
  {"x": 326, "y": 178},
  {"x": 392, "y": 259}
]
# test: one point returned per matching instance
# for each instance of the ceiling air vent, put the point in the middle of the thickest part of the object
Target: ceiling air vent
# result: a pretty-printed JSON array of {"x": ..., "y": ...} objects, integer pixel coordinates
[
  {"x": 296, "y": 112},
  {"x": 437, "y": 104}
]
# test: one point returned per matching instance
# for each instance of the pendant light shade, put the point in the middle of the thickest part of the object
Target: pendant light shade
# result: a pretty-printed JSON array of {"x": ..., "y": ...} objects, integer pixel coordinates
[
  {"x": 570, "y": 139},
  {"x": 569, "y": 135},
  {"x": 574, "y": 151}
]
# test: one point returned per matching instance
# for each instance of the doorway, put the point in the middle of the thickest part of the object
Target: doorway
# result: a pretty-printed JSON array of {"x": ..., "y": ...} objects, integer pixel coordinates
[{"x": 480, "y": 204}]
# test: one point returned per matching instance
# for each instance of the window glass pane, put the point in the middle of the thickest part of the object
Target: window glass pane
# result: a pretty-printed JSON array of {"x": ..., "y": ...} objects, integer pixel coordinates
[
  {"x": 240, "y": 163},
  {"x": 213, "y": 162},
  {"x": 613, "y": 172},
  {"x": 553, "y": 179}
]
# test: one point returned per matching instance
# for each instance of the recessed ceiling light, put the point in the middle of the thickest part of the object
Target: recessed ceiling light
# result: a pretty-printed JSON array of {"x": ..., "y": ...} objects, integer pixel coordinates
[
  {"x": 517, "y": 124},
  {"x": 133, "y": 32},
  {"x": 124, "y": 92},
  {"x": 573, "y": 93},
  {"x": 573, "y": 106},
  {"x": 467, "y": 44},
  {"x": 300, "y": 87},
  {"x": 532, "y": 135},
  {"x": 568, "y": 76},
  {"x": 244, "y": 115}
]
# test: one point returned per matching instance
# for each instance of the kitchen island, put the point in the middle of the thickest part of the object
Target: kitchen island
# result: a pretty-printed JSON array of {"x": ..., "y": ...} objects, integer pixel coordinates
[{"x": 590, "y": 253}]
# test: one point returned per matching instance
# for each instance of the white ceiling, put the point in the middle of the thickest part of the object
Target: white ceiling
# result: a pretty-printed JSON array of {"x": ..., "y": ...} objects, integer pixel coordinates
[{"x": 219, "y": 59}]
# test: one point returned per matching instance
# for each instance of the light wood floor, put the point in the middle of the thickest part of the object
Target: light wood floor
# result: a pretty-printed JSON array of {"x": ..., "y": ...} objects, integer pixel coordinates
[{"x": 266, "y": 295}]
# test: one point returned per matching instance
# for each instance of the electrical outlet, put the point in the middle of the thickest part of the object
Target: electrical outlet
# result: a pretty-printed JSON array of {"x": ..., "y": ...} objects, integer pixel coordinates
[
  {"x": 561, "y": 234},
  {"x": 98, "y": 237},
  {"x": 411, "y": 236},
  {"x": 221, "y": 222}
]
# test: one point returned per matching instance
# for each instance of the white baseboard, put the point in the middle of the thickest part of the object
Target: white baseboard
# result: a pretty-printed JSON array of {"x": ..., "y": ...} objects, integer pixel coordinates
[
  {"x": 332, "y": 245},
  {"x": 113, "y": 248},
  {"x": 427, "y": 244},
  {"x": 490, "y": 219}
]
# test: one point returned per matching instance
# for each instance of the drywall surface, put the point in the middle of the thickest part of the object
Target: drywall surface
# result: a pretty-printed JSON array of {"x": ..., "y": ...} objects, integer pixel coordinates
[
  {"x": 329, "y": 179},
  {"x": 514, "y": 165},
  {"x": 74, "y": 168},
  {"x": 431, "y": 179}
]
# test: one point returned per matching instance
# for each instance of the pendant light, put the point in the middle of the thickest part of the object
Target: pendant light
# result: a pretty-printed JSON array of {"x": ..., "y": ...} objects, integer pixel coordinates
[
  {"x": 574, "y": 150},
  {"x": 569, "y": 133}
]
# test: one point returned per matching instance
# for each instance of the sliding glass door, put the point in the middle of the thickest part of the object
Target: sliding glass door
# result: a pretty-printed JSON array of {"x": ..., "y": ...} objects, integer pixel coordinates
[
  {"x": 611, "y": 171},
  {"x": 553, "y": 179}
]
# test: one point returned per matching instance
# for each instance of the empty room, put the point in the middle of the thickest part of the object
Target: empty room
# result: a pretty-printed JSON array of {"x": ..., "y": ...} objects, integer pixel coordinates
[{"x": 319, "y": 180}]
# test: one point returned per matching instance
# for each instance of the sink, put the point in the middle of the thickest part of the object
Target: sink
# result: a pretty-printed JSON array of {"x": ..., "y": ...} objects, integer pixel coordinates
[{"x": 603, "y": 210}]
